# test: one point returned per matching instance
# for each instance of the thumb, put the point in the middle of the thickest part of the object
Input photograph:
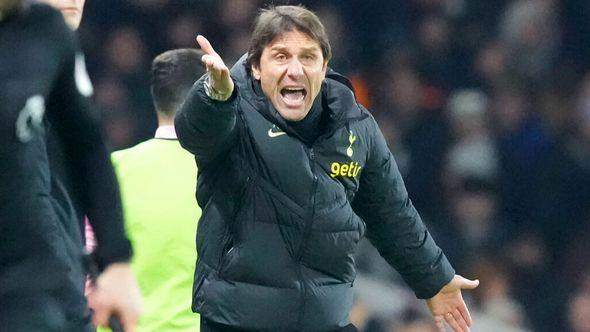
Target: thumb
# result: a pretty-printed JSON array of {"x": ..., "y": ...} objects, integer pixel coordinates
[{"x": 467, "y": 283}]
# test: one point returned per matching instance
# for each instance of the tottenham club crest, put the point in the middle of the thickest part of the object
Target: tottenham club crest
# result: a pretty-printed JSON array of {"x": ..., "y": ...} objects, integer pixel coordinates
[{"x": 351, "y": 140}]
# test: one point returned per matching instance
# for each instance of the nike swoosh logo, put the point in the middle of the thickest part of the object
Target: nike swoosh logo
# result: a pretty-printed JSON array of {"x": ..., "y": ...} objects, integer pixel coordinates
[{"x": 275, "y": 134}]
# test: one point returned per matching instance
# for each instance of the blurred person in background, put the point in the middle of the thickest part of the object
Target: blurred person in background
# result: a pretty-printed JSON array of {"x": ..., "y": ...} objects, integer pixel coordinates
[
  {"x": 578, "y": 306},
  {"x": 42, "y": 274},
  {"x": 440, "y": 60},
  {"x": 575, "y": 265},
  {"x": 472, "y": 228},
  {"x": 530, "y": 31},
  {"x": 235, "y": 18},
  {"x": 68, "y": 187},
  {"x": 490, "y": 66},
  {"x": 495, "y": 299},
  {"x": 472, "y": 152},
  {"x": 157, "y": 187},
  {"x": 68, "y": 193},
  {"x": 524, "y": 149},
  {"x": 413, "y": 321},
  {"x": 124, "y": 80},
  {"x": 533, "y": 201},
  {"x": 579, "y": 312},
  {"x": 409, "y": 319},
  {"x": 578, "y": 146},
  {"x": 470, "y": 174},
  {"x": 287, "y": 159},
  {"x": 423, "y": 325},
  {"x": 180, "y": 31},
  {"x": 424, "y": 135}
]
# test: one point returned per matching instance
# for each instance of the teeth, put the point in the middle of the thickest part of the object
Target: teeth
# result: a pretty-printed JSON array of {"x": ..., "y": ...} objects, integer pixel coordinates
[
  {"x": 293, "y": 94},
  {"x": 294, "y": 90}
]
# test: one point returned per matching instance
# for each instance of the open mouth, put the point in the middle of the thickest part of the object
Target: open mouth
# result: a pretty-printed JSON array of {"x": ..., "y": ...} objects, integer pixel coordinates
[{"x": 293, "y": 96}]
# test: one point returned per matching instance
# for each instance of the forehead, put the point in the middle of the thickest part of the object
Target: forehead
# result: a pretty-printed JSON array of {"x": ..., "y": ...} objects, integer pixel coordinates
[{"x": 294, "y": 39}]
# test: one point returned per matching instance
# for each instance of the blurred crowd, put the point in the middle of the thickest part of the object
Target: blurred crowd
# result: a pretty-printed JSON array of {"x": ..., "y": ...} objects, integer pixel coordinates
[{"x": 485, "y": 105}]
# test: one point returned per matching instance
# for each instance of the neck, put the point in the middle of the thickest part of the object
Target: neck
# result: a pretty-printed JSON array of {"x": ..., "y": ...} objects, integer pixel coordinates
[
  {"x": 165, "y": 120},
  {"x": 165, "y": 127},
  {"x": 310, "y": 127},
  {"x": 165, "y": 132}
]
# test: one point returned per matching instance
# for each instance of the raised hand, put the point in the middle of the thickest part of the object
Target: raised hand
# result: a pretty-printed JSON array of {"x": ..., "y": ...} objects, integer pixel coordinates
[
  {"x": 448, "y": 305},
  {"x": 219, "y": 79}
]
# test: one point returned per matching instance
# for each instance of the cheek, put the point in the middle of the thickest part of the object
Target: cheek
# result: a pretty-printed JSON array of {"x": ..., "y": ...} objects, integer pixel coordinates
[
  {"x": 270, "y": 78},
  {"x": 266, "y": 87},
  {"x": 315, "y": 81},
  {"x": 269, "y": 83},
  {"x": 317, "y": 76}
]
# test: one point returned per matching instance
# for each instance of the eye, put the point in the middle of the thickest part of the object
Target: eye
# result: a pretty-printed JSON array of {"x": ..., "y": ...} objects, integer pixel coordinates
[
  {"x": 281, "y": 57},
  {"x": 308, "y": 58}
]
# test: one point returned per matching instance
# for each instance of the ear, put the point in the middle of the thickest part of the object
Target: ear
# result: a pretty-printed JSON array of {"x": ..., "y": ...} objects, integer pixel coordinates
[{"x": 256, "y": 72}]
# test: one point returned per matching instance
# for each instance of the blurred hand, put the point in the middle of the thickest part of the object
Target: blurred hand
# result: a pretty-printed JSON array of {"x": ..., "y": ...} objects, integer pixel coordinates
[
  {"x": 448, "y": 305},
  {"x": 219, "y": 78},
  {"x": 116, "y": 293}
]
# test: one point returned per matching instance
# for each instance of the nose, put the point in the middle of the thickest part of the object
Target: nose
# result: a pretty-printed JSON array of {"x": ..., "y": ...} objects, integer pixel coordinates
[{"x": 295, "y": 69}]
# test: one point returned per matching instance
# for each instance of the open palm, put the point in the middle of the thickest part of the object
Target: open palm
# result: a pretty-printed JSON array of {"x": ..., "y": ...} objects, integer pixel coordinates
[{"x": 448, "y": 305}]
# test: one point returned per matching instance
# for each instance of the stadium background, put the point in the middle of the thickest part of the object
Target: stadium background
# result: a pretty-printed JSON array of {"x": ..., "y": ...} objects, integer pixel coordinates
[{"x": 485, "y": 104}]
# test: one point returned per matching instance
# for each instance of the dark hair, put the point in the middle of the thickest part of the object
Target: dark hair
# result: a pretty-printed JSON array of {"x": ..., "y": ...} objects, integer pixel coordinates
[
  {"x": 173, "y": 74},
  {"x": 9, "y": 7},
  {"x": 274, "y": 21}
]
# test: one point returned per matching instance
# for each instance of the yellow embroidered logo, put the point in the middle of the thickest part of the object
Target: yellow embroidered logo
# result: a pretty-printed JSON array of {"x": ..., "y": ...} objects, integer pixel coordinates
[
  {"x": 351, "y": 140},
  {"x": 350, "y": 170}
]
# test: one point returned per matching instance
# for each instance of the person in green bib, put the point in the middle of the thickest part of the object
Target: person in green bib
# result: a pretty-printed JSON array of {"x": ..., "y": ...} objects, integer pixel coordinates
[{"x": 157, "y": 180}]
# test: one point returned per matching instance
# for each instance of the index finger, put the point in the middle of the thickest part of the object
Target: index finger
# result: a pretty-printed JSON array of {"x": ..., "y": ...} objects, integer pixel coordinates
[{"x": 205, "y": 45}]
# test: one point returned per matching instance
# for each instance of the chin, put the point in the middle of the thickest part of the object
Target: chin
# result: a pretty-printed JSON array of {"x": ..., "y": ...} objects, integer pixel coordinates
[
  {"x": 291, "y": 115},
  {"x": 73, "y": 22}
]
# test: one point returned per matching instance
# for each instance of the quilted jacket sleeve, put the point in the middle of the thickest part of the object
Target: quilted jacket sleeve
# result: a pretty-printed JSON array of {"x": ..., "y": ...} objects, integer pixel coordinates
[
  {"x": 205, "y": 127},
  {"x": 394, "y": 226}
]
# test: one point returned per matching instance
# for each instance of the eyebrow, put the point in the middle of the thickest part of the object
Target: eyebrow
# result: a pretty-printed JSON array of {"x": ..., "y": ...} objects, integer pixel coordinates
[{"x": 305, "y": 49}]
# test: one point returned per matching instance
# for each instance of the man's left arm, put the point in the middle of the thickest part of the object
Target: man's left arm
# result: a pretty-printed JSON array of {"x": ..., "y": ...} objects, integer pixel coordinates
[
  {"x": 88, "y": 162},
  {"x": 68, "y": 111},
  {"x": 395, "y": 228}
]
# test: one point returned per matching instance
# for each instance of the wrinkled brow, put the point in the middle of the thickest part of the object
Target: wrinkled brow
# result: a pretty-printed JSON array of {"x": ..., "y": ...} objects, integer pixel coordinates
[{"x": 283, "y": 48}]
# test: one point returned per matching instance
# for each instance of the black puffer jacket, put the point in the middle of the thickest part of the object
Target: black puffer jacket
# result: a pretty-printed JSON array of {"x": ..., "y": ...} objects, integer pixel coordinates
[{"x": 281, "y": 220}]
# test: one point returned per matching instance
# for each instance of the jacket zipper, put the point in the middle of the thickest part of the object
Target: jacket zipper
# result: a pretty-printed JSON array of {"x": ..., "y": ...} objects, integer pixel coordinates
[{"x": 305, "y": 238}]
